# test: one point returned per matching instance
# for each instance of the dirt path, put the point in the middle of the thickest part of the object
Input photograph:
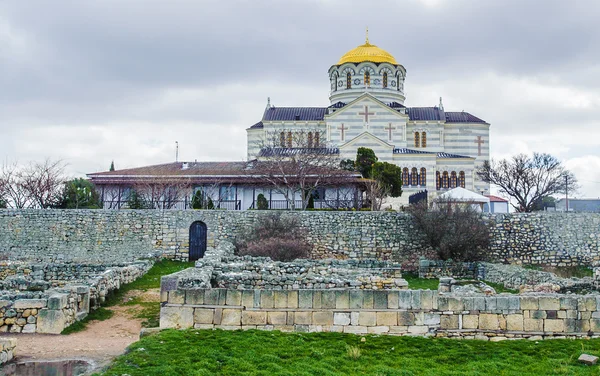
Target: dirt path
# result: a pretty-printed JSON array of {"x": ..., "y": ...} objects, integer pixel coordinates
[{"x": 101, "y": 341}]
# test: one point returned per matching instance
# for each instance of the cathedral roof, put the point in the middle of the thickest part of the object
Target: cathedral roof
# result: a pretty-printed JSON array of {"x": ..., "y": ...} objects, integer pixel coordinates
[
  {"x": 434, "y": 114},
  {"x": 462, "y": 117},
  {"x": 294, "y": 114},
  {"x": 367, "y": 52},
  {"x": 257, "y": 125},
  {"x": 268, "y": 152},
  {"x": 440, "y": 155}
]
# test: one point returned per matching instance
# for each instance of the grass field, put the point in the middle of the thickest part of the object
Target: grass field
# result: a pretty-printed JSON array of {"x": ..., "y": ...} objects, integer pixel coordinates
[{"x": 208, "y": 352}]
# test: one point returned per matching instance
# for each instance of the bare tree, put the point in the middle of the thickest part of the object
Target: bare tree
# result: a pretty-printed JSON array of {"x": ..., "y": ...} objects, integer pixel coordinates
[
  {"x": 528, "y": 179},
  {"x": 11, "y": 187},
  {"x": 296, "y": 163},
  {"x": 44, "y": 182},
  {"x": 376, "y": 192},
  {"x": 163, "y": 192}
]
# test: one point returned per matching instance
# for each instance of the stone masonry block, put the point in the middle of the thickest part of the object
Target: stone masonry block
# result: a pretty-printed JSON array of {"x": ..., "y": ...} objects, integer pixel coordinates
[
  {"x": 387, "y": 318},
  {"x": 276, "y": 318},
  {"x": 29, "y": 303},
  {"x": 292, "y": 299},
  {"x": 266, "y": 299},
  {"x": 204, "y": 315},
  {"x": 470, "y": 321},
  {"x": 303, "y": 318},
  {"x": 211, "y": 296},
  {"x": 537, "y": 315},
  {"x": 342, "y": 299},
  {"x": 356, "y": 299},
  {"x": 468, "y": 303},
  {"x": 378, "y": 329},
  {"x": 328, "y": 299},
  {"x": 488, "y": 321},
  {"x": 416, "y": 298},
  {"x": 232, "y": 316},
  {"x": 514, "y": 322},
  {"x": 177, "y": 297},
  {"x": 443, "y": 303},
  {"x": 355, "y": 329},
  {"x": 248, "y": 299},
  {"x": 479, "y": 303},
  {"x": 550, "y": 303},
  {"x": 448, "y": 322},
  {"x": 455, "y": 304},
  {"x": 533, "y": 325},
  {"x": 568, "y": 303},
  {"x": 58, "y": 301},
  {"x": 173, "y": 317},
  {"x": 406, "y": 318},
  {"x": 555, "y": 326},
  {"x": 316, "y": 299},
  {"x": 490, "y": 303},
  {"x": 405, "y": 299},
  {"x": 256, "y": 303},
  {"x": 530, "y": 303},
  {"x": 254, "y": 318},
  {"x": 393, "y": 299},
  {"x": 431, "y": 319},
  {"x": 280, "y": 299},
  {"x": 234, "y": 298},
  {"x": 194, "y": 296},
  {"x": 595, "y": 325},
  {"x": 426, "y": 300},
  {"x": 305, "y": 299},
  {"x": 367, "y": 318},
  {"x": 380, "y": 299},
  {"x": 218, "y": 316},
  {"x": 322, "y": 318},
  {"x": 367, "y": 299},
  {"x": 52, "y": 321},
  {"x": 514, "y": 303},
  {"x": 502, "y": 303},
  {"x": 341, "y": 318}
]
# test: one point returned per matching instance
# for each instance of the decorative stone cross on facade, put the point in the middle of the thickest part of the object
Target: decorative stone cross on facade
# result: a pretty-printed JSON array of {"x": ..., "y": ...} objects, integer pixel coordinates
[
  {"x": 366, "y": 115},
  {"x": 479, "y": 141},
  {"x": 390, "y": 129},
  {"x": 342, "y": 129}
]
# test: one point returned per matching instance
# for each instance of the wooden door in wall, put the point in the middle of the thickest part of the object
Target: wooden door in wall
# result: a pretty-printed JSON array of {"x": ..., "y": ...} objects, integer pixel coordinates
[{"x": 197, "y": 240}]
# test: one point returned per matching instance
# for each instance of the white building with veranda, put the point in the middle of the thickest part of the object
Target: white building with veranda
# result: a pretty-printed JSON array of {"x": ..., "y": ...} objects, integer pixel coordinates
[{"x": 436, "y": 149}]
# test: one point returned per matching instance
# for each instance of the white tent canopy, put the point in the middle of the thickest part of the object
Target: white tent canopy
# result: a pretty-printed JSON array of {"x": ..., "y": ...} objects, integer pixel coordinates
[{"x": 464, "y": 195}]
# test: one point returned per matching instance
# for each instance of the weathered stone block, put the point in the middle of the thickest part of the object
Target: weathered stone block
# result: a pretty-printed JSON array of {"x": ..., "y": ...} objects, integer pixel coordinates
[
  {"x": 355, "y": 329},
  {"x": 387, "y": 319},
  {"x": 470, "y": 322},
  {"x": 218, "y": 316},
  {"x": 405, "y": 299},
  {"x": 254, "y": 318},
  {"x": 29, "y": 303},
  {"x": 479, "y": 303},
  {"x": 537, "y": 314},
  {"x": 194, "y": 296},
  {"x": 490, "y": 303},
  {"x": 322, "y": 318},
  {"x": 328, "y": 299},
  {"x": 280, "y": 299},
  {"x": 378, "y": 329},
  {"x": 514, "y": 322},
  {"x": 530, "y": 303},
  {"x": 356, "y": 299},
  {"x": 211, "y": 296},
  {"x": 276, "y": 318},
  {"x": 341, "y": 318},
  {"x": 431, "y": 319},
  {"x": 514, "y": 303},
  {"x": 367, "y": 318},
  {"x": 587, "y": 359},
  {"x": 232, "y": 316},
  {"x": 380, "y": 299},
  {"x": 303, "y": 318},
  {"x": 427, "y": 298},
  {"x": 342, "y": 299},
  {"x": 170, "y": 317},
  {"x": 556, "y": 326},
  {"x": 58, "y": 301},
  {"x": 550, "y": 303},
  {"x": 305, "y": 299},
  {"x": 367, "y": 299},
  {"x": 533, "y": 325},
  {"x": 292, "y": 299},
  {"x": 419, "y": 329},
  {"x": 502, "y": 303},
  {"x": 29, "y": 328},
  {"x": 448, "y": 322},
  {"x": 204, "y": 315},
  {"x": 568, "y": 303},
  {"x": 316, "y": 299},
  {"x": 406, "y": 318},
  {"x": 234, "y": 298},
  {"x": 455, "y": 304},
  {"x": 488, "y": 321},
  {"x": 266, "y": 300},
  {"x": 393, "y": 300},
  {"x": 248, "y": 299}
]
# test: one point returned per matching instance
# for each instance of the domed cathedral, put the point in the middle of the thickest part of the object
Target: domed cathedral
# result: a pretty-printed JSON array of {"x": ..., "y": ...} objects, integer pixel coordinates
[{"x": 436, "y": 149}]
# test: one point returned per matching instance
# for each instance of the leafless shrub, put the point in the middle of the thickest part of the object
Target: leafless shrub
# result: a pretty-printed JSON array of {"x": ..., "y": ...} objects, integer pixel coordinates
[{"x": 275, "y": 236}]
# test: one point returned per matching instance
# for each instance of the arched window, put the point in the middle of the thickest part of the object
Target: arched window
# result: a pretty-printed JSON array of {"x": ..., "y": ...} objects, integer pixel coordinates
[
  {"x": 348, "y": 81},
  {"x": 424, "y": 139},
  {"x": 335, "y": 79},
  {"x": 461, "y": 179},
  {"x": 289, "y": 139},
  {"x": 282, "y": 139},
  {"x": 310, "y": 139},
  {"x": 445, "y": 179},
  {"x": 405, "y": 179},
  {"x": 317, "y": 141},
  {"x": 414, "y": 177},
  {"x": 453, "y": 179},
  {"x": 417, "y": 143},
  {"x": 367, "y": 78},
  {"x": 438, "y": 181},
  {"x": 384, "y": 79},
  {"x": 423, "y": 177}
]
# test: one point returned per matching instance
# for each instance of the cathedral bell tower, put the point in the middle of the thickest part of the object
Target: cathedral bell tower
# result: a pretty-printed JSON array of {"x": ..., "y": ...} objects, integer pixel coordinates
[{"x": 367, "y": 68}]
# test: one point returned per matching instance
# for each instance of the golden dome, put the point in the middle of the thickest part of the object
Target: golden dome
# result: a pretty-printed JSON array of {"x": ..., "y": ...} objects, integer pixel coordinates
[{"x": 367, "y": 52}]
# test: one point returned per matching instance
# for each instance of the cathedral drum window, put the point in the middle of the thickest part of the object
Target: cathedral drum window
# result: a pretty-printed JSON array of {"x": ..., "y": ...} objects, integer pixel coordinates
[
  {"x": 367, "y": 78},
  {"x": 414, "y": 177},
  {"x": 453, "y": 179},
  {"x": 424, "y": 139},
  {"x": 385, "y": 81},
  {"x": 405, "y": 179},
  {"x": 348, "y": 80},
  {"x": 417, "y": 140},
  {"x": 461, "y": 179},
  {"x": 445, "y": 179},
  {"x": 423, "y": 177}
]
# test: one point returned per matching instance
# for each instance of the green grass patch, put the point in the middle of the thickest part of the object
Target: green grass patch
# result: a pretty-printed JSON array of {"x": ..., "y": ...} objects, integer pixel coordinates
[
  {"x": 499, "y": 287},
  {"x": 416, "y": 283},
  {"x": 216, "y": 352},
  {"x": 150, "y": 311}
]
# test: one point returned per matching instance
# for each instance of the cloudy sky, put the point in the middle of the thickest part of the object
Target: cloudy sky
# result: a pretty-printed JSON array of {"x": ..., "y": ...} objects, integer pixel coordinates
[{"x": 94, "y": 81}]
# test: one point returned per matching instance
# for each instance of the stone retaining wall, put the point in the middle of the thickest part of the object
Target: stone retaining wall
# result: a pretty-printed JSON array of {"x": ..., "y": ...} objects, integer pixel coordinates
[
  {"x": 90, "y": 236},
  {"x": 7, "y": 349},
  {"x": 400, "y": 312}
]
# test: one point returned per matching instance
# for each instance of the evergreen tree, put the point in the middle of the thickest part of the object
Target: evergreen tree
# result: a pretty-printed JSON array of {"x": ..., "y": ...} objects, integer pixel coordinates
[
  {"x": 390, "y": 177},
  {"x": 80, "y": 194},
  {"x": 365, "y": 158},
  {"x": 261, "y": 202},
  {"x": 198, "y": 201},
  {"x": 137, "y": 202},
  {"x": 112, "y": 166}
]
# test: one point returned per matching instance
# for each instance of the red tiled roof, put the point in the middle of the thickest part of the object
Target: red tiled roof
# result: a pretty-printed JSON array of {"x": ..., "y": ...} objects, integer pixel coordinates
[{"x": 496, "y": 198}]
